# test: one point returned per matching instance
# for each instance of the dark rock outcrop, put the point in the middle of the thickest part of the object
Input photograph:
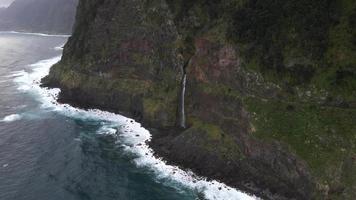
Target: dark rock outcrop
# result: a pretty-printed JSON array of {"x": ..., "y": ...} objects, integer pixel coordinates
[{"x": 278, "y": 138}]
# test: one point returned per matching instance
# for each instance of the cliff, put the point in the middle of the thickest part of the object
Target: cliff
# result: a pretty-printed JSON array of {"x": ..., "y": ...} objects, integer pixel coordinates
[
  {"x": 47, "y": 16},
  {"x": 259, "y": 94}
]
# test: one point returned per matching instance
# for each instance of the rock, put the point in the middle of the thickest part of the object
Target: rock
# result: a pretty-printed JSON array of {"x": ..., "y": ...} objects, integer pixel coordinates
[{"x": 244, "y": 128}]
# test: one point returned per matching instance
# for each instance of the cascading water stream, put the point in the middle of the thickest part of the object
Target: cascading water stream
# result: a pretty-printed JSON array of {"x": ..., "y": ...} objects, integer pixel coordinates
[
  {"x": 181, "y": 122},
  {"x": 182, "y": 102}
]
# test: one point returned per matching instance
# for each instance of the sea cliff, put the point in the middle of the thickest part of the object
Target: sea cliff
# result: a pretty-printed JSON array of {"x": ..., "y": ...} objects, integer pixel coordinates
[{"x": 257, "y": 94}]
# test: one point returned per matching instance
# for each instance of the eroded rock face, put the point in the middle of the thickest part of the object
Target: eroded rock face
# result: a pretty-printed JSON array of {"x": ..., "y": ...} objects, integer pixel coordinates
[
  {"x": 127, "y": 56},
  {"x": 127, "y": 48},
  {"x": 220, "y": 130}
]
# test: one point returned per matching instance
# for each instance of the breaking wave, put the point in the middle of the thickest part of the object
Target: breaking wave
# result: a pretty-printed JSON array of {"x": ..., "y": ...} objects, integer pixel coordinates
[
  {"x": 35, "y": 34},
  {"x": 11, "y": 118},
  {"x": 60, "y": 47},
  {"x": 130, "y": 134}
]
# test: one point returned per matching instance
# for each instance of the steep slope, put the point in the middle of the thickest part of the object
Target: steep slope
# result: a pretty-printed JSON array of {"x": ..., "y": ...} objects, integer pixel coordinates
[
  {"x": 258, "y": 94},
  {"x": 50, "y": 16}
]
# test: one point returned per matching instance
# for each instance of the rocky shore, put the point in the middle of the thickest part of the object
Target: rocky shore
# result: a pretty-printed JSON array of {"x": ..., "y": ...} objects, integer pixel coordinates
[
  {"x": 216, "y": 101},
  {"x": 214, "y": 158}
]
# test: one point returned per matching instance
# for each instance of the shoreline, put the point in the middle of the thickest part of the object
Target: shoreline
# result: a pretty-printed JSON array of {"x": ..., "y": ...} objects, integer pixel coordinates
[
  {"x": 137, "y": 138},
  {"x": 183, "y": 153}
]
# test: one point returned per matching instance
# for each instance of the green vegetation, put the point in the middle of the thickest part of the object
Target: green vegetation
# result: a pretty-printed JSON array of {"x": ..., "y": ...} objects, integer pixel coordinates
[
  {"x": 71, "y": 79},
  {"x": 296, "y": 56},
  {"x": 290, "y": 42},
  {"x": 299, "y": 42},
  {"x": 218, "y": 90},
  {"x": 214, "y": 139},
  {"x": 322, "y": 136},
  {"x": 160, "y": 110},
  {"x": 274, "y": 31}
]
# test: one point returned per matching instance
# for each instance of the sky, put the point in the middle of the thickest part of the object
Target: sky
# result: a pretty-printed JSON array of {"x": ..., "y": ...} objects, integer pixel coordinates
[{"x": 5, "y": 3}]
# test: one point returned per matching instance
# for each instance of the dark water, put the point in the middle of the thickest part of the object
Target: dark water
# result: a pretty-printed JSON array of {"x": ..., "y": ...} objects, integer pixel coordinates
[{"x": 48, "y": 156}]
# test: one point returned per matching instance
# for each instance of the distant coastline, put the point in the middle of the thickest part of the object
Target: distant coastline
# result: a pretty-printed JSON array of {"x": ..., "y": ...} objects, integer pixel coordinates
[{"x": 52, "y": 17}]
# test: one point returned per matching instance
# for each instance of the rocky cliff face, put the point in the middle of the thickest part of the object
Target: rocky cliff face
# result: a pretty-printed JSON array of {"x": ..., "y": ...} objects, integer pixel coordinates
[
  {"x": 269, "y": 96},
  {"x": 47, "y": 16}
]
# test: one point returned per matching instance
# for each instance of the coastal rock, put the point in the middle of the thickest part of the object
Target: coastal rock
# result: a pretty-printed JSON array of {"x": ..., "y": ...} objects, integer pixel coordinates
[{"x": 247, "y": 122}]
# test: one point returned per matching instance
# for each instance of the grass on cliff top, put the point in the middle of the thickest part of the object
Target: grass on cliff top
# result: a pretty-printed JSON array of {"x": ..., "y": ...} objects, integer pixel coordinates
[{"x": 323, "y": 136}]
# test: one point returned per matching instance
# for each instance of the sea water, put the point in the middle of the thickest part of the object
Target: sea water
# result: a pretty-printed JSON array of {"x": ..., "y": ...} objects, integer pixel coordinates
[{"x": 54, "y": 151}]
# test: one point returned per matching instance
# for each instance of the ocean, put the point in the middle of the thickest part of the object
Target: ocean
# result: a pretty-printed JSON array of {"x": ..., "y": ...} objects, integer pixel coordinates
[{"x": 51, "y": 151}]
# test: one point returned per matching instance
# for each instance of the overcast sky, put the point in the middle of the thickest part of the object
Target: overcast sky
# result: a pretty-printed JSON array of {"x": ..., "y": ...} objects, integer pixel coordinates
[{"x": 5, "y": 3}]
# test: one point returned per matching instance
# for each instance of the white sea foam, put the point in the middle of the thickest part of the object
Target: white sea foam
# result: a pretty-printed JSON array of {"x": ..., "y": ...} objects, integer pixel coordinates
[
  {"x": 105, "y": 130},
  {"x": 60, "y": 47},
  {"x": 11, "y": 118},
  {"x": 15, "y": 74},
  {"x": 131, "y": 135},
  {"x": 31, "y": 81},
  {"x": 35, "y": 34}
]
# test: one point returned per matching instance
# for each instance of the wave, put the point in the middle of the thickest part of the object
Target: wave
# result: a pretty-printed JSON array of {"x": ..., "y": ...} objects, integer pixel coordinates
[
  {"x": 11, "y": 118},
  {"x": 35, "y": 34},
  {"x": 131, "y": 135},
  {"x": 31, "y": 81},
  {"x": 15, "y": 74},
  {"x": 60, "y": 47}
]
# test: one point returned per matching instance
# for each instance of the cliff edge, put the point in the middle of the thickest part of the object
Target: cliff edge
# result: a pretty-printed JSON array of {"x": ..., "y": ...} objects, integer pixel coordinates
[{"x": 258, "y": 94}]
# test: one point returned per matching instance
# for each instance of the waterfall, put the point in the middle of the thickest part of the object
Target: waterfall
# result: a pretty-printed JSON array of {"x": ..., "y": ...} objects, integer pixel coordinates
[{"x": 182, "y": 120}]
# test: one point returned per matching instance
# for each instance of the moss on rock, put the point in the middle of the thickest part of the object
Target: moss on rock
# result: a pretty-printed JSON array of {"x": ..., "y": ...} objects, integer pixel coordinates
[{"x": 325, "y": 137}]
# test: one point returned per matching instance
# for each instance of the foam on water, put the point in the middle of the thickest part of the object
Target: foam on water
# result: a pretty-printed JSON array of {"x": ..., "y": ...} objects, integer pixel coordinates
[
  {"x": 107, "y": 130},
  {"x": 35, "y": 34},
  {"x": 130, "y": 134},
  {"x": 31, "y": 81},
  {"x": 60, "y": 47},
  {"x": 15, "y": 74},
  {"x": 11, "y": 118}
]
